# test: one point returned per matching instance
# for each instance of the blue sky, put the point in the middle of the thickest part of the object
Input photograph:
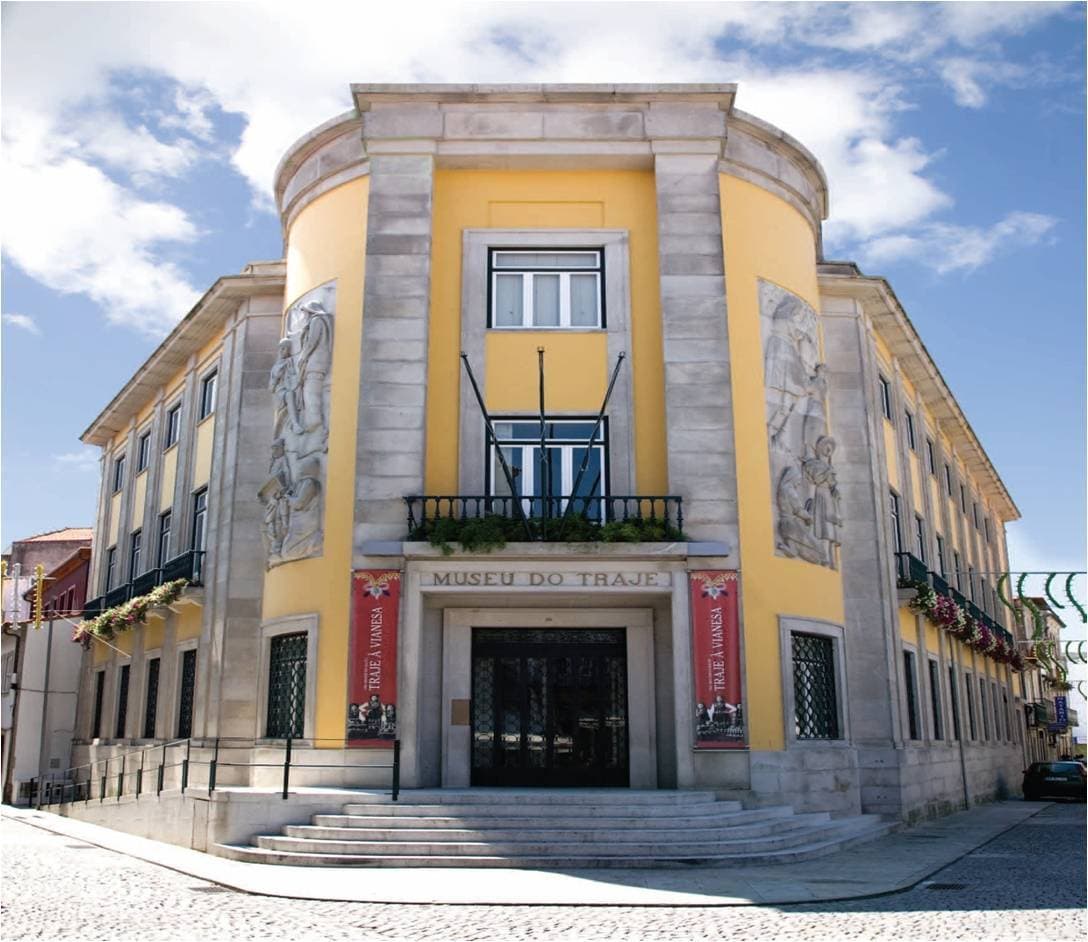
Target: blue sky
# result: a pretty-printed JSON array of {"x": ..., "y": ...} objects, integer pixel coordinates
[{"x": 140, "y": 141}]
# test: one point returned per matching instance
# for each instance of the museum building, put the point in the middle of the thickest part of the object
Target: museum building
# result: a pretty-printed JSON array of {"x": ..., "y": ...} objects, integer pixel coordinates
[{"x": 555, "y": 451}]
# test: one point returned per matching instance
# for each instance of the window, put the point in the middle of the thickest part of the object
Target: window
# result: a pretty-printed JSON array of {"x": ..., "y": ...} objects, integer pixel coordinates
[
  {"x": 122, "y": 701},
  {"x": 912, "y": 698},
  {"x": 998, "y": 734},
  {"x": 163, "y": 553},
  {"x": 885, "y": 397},
  {"x": 959, "y": 570},
  {"x": 969, "y": 697},
  {"x": 941, "y": 560},
  {"x": 1008, "y": 719},
  {"x": 134, "y": 554},
  {"x": 893, "y": 510},
  {"x": 984, "y": 596},
  {"x": 911, "y": 443},
  {"x": 546, "y": 289},
  {"x": 111, "y": 567},
  {"x": 70, "y": 601},
  {"x": 931, "y": 457},
  {"x": 948, "y": 479},
  {"x": 200, "y": 519},
  {"x": 143, "y": 452},
  {"x": 565, "y": 451},
  {"x": 920, "y": 536},
  {"x": 815, "y": 701},
  {"x": 99, "y": 696},
  {"x": 173, "y": 427},
  {"x": 955, "y": 698},
  {"x": 151, "y": 701},
  {"x": 982, "y": 709},
  {"x": 286, "y": 686},
  {"x": 986, "y": 527},
  {"x": 971, "y": 582},
  {"x": 207, "y": 394},
  {"x": 935, "y": 698},
  {"x": 974, "y": 514},
  {"x": 118, "y": 473},
  {"x": 186, "y": 690},
  {"x": 963, "y": 498}
]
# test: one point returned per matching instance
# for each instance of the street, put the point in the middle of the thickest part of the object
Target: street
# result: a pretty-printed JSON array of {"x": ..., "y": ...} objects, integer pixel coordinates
[{"x": 1028, "y": 883}]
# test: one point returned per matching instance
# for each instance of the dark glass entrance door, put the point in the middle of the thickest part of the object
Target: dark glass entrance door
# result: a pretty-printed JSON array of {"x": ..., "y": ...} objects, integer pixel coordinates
[{"x": 549, "y": 708}]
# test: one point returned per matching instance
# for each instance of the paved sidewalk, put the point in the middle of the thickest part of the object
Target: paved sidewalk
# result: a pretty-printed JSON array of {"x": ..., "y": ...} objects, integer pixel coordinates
[{"x": 886, "y": 865}]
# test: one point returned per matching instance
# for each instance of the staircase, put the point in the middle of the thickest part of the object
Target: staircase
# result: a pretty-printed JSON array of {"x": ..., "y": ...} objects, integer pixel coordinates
[{"x": 534, "y": 828}]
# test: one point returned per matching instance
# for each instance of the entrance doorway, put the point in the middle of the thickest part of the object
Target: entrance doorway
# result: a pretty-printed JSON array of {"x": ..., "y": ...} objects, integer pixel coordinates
[{"x": 549, "y": 707}]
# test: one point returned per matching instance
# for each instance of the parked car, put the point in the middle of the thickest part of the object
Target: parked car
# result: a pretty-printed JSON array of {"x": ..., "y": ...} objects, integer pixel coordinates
[{"x": 1055, "y": 780}]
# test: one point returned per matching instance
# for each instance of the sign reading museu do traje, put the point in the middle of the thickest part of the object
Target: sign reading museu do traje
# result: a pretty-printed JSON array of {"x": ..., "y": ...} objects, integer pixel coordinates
[
  {"x": 372, "y": 681},
  {"x": 715, "y": 625}
]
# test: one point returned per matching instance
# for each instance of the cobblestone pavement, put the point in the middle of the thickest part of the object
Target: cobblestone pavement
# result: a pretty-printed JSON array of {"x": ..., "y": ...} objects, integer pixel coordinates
[{"x": 1029, "y": 883}]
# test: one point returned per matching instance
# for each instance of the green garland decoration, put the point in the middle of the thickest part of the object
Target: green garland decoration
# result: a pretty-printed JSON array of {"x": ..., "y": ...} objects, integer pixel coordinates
[
  {"x": 1073, "y": 601},
  {"x": 126, "y": 616}
]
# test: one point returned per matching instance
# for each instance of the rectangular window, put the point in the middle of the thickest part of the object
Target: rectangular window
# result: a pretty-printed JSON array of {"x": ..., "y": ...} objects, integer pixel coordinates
[
  {"x": 984, "y": 600},
  {"x": 122, "y": 701},
  {"x": 959, "y": 570},
  {"x": 893, "y": 511},
  {"x": 111, "y": 568},
  {"x": 948, "y": 479},
  {"x": 1008, "y": 718},
  {"x": 971, "y": 582},
  {"x": 173, "y": 427},
  {"x": 954, "y": 696},
  {"x": 911, "y": 442},
  {"x": 998, "y": 732},
  {"x": 135, "y": 544},
  {"x": 99, "y": 696},
  {"x": 207, "y": 394},
  {"x": 986, "y": 527},
  {"x": 538, "y": 289},
  {"x": 151, "y": 701},
  {"x": 555, "y": 470},
  {"x": 970, "y": 698},
  {"x": 963, "y": 498},
  {"x": 982, "y": 708},
  {"x": 935, "y": 698},
  {"x": 885, "y": 397},
  {"x": 941, "y": 560},
  {"x": 912, "y": 695},
  {"x": 186, "y": 691},
  {"x": 920, "y": 536},
  {"x": 163, "y": 553},
  {"x": 815, "y": 699},
  {"x": 143, "y": 452},
  {"x": 200, "y": 519},
  {"x": 118, "y": 473},
  {"x": 931, "y": 457},
  {"x": 974, "y": 515},
  {"x": 286, "y": 686}
]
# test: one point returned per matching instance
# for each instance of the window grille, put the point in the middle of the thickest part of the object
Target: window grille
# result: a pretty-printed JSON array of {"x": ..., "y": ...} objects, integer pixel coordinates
[
  {"x": 912, "y": 699},
  {"x": 122, "y": 701},
  {"x": 151, "y": 705},
  {"x": 968, "y": 696},
  {"x": 998, "y": 733},
  {"x": 954, "y": 695},
  {"x": 982, "y": 708},
  {"x": 185, "y": 694},
  {"x": 935, "y": 699},
  {"x": 816, "y": 709},
  {"x": 287, "y": 686},
  {"x": 99, "y": 696}
]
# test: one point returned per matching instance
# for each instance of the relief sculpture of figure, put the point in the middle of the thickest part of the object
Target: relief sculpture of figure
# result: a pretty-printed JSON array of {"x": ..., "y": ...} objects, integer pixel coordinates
[
  {"x": 824, "y": 504},
  {"x": 293, "y": 495}
]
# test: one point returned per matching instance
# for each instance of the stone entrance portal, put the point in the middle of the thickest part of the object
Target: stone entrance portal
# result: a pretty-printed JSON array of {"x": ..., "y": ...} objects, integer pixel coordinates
[{"x": 549, "y": 707}]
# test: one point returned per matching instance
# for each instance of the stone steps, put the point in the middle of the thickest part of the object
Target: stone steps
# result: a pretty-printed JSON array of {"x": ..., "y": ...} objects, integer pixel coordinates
[{"x": 556, "y": 830}]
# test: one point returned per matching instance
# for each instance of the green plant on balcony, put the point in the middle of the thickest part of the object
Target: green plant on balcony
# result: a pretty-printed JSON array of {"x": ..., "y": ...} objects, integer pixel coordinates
[{"x": 126, "y": 616}]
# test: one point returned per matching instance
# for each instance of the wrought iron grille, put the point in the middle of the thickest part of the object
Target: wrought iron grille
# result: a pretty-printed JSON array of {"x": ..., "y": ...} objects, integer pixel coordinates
[
  {"x": 122, "y": 701},
  {"x": 816, "y": 711},
  {"x": 287, "y": 686},
  {"x": 151, "y": 705},
  {"x": 185, "y": 694}
]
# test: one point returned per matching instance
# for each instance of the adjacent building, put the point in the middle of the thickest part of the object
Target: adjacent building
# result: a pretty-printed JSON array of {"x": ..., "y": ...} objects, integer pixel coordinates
[{"x": 556, "y": 450}]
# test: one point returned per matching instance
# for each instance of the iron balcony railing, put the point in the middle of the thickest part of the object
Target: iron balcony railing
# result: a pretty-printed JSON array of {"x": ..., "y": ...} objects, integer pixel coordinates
[
  {"x": 189, "y": 566},
  {"x": 117, "y": 596},
  {"x": 93, "y": 607},
  {"x": 149, "y": 580},
  {"x": 909, "y": 568},
  {"x": 653, "y": 518}
]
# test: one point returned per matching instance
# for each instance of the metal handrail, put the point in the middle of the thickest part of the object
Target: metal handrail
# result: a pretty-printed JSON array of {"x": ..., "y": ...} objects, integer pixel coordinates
[{"x": 909, "y": 568}]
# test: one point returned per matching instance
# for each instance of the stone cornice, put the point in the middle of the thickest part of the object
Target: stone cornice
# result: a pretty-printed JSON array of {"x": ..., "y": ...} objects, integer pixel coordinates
[
  {"x": 890, "y": 320},
  {"x": 207, "y": 318}
]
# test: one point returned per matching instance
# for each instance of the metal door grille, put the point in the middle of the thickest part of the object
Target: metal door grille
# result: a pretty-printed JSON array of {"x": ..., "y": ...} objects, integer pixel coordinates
[
  {"x": 152, "y": 705},
  {"x": 122, "y": 702},
  {"x": 816, "y": 712},
  {"x": 185, "y": 695},
  {"x": 287, "y": 686}
]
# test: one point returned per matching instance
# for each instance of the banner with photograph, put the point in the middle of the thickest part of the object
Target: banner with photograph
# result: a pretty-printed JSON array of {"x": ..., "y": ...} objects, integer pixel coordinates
[
  {"x": 372, "y": 679},
  {"x": 715, "y": 629}
]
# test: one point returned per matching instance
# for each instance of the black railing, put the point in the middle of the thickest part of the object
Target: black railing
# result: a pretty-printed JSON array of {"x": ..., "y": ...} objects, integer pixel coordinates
[
  {"x": 117, "y": 596},
  {"x": 143, "y": 770},
  {"x": 188, "y": 565},
  {"x": 938, "y": 582},
  {"x": 93, "y": 607},
  {"x": 151, "y": 579},
  {"x": 909, "y": 569},
  {"x": 618, "y": 518}
]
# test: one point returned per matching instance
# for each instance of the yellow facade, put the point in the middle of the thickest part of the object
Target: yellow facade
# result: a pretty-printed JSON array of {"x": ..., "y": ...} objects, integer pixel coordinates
[
  {"x": 765, "y": 238},
  {"x": 326, "y": 243},
  {"x": 202, "y": 452}
]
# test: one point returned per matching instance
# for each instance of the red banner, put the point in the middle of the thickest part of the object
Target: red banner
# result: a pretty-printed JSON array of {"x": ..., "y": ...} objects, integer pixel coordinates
[
  {"x": 372, "y": 682},
  {"x": 715, "y": 628}
]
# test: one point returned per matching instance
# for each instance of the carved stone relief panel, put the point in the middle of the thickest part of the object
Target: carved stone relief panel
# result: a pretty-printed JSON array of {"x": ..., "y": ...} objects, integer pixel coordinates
[
  {"x": 805, "y": 492},
  {"x": 294, "y": 494}
]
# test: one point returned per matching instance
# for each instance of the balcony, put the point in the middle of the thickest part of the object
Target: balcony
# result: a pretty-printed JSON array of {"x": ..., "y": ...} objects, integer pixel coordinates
[
  {"x": 188, "y": 566},
  {"x": 443, "y": 519},
  {"x": 93, "y": 607},
  {"x": 117, "y": 596},
  {"x": 151, "y": 579},
  {"x": 910, "y": 569}
]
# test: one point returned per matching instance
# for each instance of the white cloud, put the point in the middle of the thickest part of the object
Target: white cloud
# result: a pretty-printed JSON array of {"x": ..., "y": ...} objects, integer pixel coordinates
[
  {"x": 86, "y": 459},
  {"x": 23, "y": 322},
  {"x": 946, "y": 248},
  {"x": 970, "y": 79}
]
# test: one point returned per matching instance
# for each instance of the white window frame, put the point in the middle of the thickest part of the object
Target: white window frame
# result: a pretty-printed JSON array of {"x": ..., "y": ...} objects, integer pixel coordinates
[
  {"x": 289, "y": 625},
  {"x": 527, "y": 276}
]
